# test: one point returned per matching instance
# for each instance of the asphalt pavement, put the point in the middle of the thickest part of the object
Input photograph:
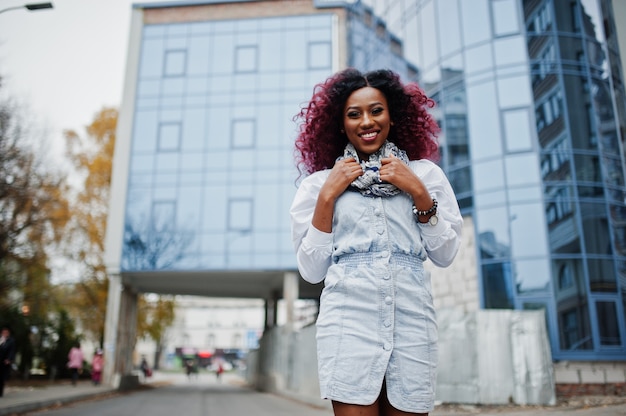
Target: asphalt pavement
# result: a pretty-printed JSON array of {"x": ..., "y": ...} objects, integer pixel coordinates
[{"x": 23, "y": 399}]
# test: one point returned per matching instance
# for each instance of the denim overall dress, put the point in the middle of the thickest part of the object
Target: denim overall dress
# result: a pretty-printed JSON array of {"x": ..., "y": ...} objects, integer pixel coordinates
[{"x": 377, "y": 320}]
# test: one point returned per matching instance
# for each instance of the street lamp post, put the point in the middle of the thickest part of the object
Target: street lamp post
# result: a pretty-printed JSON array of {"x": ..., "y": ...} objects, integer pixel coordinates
[{"x": 30, "y": 6}]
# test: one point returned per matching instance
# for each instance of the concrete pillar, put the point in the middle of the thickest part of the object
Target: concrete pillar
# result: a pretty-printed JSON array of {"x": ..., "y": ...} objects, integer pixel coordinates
[
  {"x": 127, "y": 331},
  {"x": 271, "y": 311},
  {"x": 290, "y": 295},
  {"x": 109, "y": 375},
  {"x": 119, "y": 334}
]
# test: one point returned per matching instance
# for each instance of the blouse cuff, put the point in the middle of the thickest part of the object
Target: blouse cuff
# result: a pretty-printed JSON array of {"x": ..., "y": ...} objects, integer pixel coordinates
[
  {"x": 318, "y": 238},
  {"x": 429, "y": 230}
]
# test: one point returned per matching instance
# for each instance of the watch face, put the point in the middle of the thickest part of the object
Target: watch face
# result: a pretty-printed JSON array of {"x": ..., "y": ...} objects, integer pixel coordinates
[{"x": 433, "y": 220}]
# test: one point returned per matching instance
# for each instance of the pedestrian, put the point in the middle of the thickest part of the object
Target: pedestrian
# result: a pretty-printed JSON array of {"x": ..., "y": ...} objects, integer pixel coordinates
[
  {"x": 97, "y": 364},
  {"x": 371, "y": 209},
  {"x": 188, "y": 368},
  {"x": 219, "y": 371},
  {"x": 145, "y": 368},
  {"x": 7, "y": 356},
  {"x": 75, "y": 362}
]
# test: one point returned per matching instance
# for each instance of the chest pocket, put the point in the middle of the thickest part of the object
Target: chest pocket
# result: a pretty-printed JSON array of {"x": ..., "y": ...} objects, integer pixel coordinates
[{"x": 358, "y": 221}]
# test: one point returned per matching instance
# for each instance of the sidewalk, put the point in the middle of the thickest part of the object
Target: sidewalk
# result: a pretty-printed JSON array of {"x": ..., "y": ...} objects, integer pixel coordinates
[
  {"x": 18, "y": 399},
  {"x": 21, "y": 398}
]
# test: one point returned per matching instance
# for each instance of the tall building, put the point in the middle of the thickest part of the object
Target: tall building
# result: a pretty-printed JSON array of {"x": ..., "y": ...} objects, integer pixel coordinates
[{"x": 531, "y": 104}]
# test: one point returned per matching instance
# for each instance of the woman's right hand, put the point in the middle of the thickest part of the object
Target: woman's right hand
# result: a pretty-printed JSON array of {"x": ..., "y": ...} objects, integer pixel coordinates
[
  {"x": 343, "y": 173},
  {"x": 340, "y": 177}
]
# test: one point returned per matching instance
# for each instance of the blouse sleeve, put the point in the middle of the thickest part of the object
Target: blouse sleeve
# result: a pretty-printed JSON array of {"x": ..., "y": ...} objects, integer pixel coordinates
[
  {"x": 313, "y": 247},
  {"x": 442, "y": 240}
]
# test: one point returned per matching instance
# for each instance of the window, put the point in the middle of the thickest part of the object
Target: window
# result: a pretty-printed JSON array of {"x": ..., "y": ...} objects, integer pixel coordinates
[
  {"x": 246, "y": 58},
  {"x": 243, "y": 134},
  {"x": 169, "y": 137},
  {"x": 505, "y": 20},
  {"x": 319, "y": 55},
  {"x": 240, "y": 214},
  {"x": 566, "y": 279},
  {"x": 542, "y": 21},
  {"x": 549, "y": 111},
  {"x": 175, "y": 63},
  {"x": 517, "y": 130},
  {"x": 608, "y": 325},
  {"x": 163, "y": 215}
]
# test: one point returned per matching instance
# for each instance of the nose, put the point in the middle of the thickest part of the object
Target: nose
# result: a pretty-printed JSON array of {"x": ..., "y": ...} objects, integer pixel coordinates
[{"x": 367, "y": 121}]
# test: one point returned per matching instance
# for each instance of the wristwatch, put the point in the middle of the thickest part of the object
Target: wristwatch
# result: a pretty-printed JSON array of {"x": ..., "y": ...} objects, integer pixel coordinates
[{"x": 433, "y": 220}]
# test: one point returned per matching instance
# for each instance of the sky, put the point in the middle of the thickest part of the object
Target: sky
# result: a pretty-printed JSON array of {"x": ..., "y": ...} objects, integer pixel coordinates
[{"x": 64, "y": 64}]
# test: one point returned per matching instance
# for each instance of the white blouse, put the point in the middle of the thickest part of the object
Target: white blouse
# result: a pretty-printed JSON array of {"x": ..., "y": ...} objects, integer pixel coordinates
[{"x": 314, "y": 248}]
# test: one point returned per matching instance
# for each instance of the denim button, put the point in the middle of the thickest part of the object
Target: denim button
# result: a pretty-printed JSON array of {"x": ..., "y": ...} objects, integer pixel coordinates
[
  {"x": 387, "y": 346},
  {"x": 387, "y": 323},
  {"x": 388, "y": 300}
]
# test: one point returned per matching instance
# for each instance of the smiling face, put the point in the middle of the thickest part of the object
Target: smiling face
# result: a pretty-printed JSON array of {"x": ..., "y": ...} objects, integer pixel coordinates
[{"x": 366, "y": 120}]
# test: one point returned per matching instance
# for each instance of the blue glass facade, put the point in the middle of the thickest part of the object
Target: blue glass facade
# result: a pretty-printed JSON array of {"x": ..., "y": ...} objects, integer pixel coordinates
[
  {"x": 531, "y": 102},
  {"x": 211, "y": 170}
]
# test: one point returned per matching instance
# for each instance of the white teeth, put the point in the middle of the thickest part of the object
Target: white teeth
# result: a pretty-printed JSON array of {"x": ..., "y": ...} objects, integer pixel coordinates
[{"x": 369, "y": 135}]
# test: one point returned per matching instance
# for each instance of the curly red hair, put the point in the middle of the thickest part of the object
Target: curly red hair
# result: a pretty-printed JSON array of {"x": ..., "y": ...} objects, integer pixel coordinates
[{"x": 320, "y": 140}]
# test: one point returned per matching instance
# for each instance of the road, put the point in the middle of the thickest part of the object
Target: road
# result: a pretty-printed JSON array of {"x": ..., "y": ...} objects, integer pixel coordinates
[
  {"x": 205, "y": 396},
  {"x": 202, "y": 396}
]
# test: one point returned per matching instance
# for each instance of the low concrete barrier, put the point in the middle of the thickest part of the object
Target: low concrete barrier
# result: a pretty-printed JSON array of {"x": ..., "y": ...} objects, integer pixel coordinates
[{"x": 485, "y": 357}]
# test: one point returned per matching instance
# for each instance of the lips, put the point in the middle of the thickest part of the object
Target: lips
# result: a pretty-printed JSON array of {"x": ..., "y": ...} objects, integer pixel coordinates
[{"x": 369, "y": 136}]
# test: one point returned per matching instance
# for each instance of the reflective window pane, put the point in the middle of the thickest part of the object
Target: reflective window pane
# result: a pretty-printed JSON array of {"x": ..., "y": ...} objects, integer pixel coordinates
[
  {"x": 476, "y": 22},
  {"x": 527, "y": 230},
  {"x": 169, "y": 137},
  {"x": 175, "y": 63},
  {"x": 574, "y": 327},
  {"x": 320, "y": 55},
  {"x": 246, "y": 58},
  {"x": 532, "y": 276},
  {"x": 497, "y": 286},
  {"x": 517, "y": 132},
  {"x": 240, "y": 214},
  {"x": 449, "y": 26},
  {"x": 483, "y": 116},
  {"x": 602, "y": 275},
  {"x": 522, "y": 169},
  {"x": 505, "y": 17},
  {"x": 608, "y": 324},
  {"x": 493, "y": 234}
]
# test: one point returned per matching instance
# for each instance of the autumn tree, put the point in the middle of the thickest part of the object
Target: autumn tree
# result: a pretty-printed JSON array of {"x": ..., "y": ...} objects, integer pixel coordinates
[
  {"x": 92, "y": 157},
  {"x": 155, "y": 316},
  {"x": 34, "y": 212}
]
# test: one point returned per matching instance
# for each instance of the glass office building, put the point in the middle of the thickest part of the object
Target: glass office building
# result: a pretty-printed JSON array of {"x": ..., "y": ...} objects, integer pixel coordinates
[
  {"x": 212, "y": 171},
  {"x": 531, "y": 104}
]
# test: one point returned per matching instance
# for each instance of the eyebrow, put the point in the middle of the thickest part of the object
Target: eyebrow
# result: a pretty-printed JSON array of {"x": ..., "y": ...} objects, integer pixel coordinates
[{"x": 369, "y": 105}]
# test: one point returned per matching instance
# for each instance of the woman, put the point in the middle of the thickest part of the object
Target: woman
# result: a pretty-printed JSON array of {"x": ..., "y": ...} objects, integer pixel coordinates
[
  {"x": 97, "y": 365},
  {"x": 372, "y": 209},
  {"x": 75, "y": 362}
]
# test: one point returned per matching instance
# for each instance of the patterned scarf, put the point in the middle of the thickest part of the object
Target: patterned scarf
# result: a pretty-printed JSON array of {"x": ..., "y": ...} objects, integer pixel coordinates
[{"x": 369, "y": 184}]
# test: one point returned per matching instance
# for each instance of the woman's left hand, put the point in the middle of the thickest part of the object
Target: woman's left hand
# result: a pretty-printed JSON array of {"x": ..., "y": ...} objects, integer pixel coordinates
[{"x": 398, "y": 173}]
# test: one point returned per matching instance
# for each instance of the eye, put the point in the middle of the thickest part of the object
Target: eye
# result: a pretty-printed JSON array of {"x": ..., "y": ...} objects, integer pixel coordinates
[
  {"x": 352, "y": 114},
  {"x": 377, "y": 110}
]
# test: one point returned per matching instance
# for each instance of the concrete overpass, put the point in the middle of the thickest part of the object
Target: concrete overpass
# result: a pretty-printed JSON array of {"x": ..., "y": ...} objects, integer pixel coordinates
[{"x": 125, "y": 287}]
